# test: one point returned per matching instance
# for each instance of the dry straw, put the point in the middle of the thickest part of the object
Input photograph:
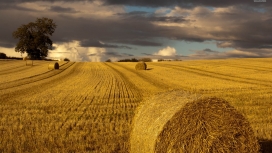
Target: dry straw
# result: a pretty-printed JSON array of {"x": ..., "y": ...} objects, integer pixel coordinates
[
  {"x": 176, "y": 122},
  {"x": 53, "y": 66},
  {"x": 141, "y": 66}
]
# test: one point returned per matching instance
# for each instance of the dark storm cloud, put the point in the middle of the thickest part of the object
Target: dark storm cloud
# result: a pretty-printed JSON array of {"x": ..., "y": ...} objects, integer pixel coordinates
[
  {"x": 62, "y": 9},
  {"x": 171, "y": 57},
  {"x": 23, "y": 1},
  {"x": 126, "y": 54},
  {"x": 9, "y": 23},
  {"x": 114, "y": 54},
  {"x": 162, "y": 3},
  {"x": 96, "y": 43},
  {"x": 140, "y": 42},
  {"x": 14, "y": 6},
  {"x": 145, "y": 16},
  {"x": 146, "y": 54},
  {"x": 6, "y": 44},
  {"x": 209, "y": 50},
  {"x": 168, "y": 19},
  {"x": 111, "y": 54},
  {"x": 89, "y": 31},
  {"x": 185, "y": 3},
  {"x": 140, "y": 31},
  {"x": 204, "y": 53}
]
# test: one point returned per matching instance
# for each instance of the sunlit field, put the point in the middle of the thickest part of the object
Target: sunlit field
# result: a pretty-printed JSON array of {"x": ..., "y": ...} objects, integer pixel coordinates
[{"x": 89, "y": 106}]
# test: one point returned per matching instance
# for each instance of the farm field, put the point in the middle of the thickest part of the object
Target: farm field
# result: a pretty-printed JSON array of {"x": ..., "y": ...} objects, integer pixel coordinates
[{"x": 89, "y": 106}]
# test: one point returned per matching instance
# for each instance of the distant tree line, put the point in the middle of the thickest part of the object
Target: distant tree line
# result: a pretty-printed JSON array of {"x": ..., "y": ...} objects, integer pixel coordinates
[
  {"x": 4, "y": 56},
  {"x": 144, "y": 60},
  {"x": 160, "y": 60},
  {"x": 134, "y": 60},
  {"x": 129, "y": 60}
]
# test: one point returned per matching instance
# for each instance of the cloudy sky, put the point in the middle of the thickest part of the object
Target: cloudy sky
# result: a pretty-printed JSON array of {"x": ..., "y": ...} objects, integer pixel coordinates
[{"x": 97, "y": 30}]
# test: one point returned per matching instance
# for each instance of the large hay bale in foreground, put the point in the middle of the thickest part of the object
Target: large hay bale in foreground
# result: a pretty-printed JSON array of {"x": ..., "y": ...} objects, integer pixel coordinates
[
  {"x": 53, "y": 66},
  {"x": 141, "y": 66},
  {"x": 177, "y": 122}
]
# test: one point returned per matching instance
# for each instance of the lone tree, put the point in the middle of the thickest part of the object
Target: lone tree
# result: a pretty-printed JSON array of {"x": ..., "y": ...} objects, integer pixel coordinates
[
  {"x": 34, "y": 38},
  {"x": 3, "y": 55}
]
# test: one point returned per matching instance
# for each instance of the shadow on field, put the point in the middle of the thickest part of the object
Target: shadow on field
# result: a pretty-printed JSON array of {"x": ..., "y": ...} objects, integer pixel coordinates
[
  {"x": 266, "y": 146},
  {"x": 149, "y": 68}
]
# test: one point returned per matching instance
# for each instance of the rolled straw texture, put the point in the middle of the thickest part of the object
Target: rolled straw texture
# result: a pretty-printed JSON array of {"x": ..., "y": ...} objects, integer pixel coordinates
[
  {"x": 141, "y": 66},
  {"x": 53, "y": 66},
  {"x": 179, "y": 122}
]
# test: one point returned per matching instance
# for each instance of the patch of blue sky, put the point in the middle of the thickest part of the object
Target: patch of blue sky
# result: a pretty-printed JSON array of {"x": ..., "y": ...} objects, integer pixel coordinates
[
  {"x": 150, "y": 10},
  {"x": 210, "y": 8},
  {"x": 129, "y": 9},
  {"x": 186, "y": 48},
  {"x": 182, "y": 47},
  {"x": 261, "y": 10}
]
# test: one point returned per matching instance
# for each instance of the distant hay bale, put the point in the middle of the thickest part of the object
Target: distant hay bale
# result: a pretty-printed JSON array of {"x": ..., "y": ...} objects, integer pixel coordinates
[
  {"x": 25, "y": 58},
  {"x": 53, "y": 66},
  {"x": 176, "y": 122},
  {"x": 141, "y": 66}
]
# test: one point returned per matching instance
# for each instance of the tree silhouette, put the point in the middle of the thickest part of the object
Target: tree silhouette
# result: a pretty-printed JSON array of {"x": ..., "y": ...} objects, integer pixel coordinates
[
  {"x": 3, "y": 55},
  {"x": 34, "y": 38}
]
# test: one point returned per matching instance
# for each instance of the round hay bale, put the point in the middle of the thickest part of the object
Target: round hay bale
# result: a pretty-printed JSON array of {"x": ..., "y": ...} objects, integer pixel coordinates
[
  {"x": 53, "y": 66},
  {"x": 176, "y": 122},
  {"x": 26, "y": 58},
  {"x": 141, "y": 66}
]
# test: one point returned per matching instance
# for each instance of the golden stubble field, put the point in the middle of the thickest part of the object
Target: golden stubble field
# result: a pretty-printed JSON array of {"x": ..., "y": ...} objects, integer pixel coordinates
[{"x": 89, "y": 107}]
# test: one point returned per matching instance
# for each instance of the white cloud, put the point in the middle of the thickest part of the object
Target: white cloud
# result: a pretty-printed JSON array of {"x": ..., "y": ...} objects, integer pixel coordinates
[
  {"x": 66, "y": 50},
  {"x": 81, "y": 9},
  {"x": 74, "y": 52},
  {"x": 168, "y": 51},
  {"x": 11, "y": 52},
  {"x": 162, "y": 11},
  {"x": 96, "y": 54}
]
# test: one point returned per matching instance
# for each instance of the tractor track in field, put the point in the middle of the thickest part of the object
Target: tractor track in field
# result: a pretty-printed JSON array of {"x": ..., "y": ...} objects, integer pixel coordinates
[
  {"x": 35, "y": 78},
  {"x": 249, "y": 67},
  {"x": 144, "y": 77},
  {"x": 240, "y": 90},
  {"x": 131, "y": 85},
  {"x": 112, "y": 92},
  {"x": 114, "y": 96},
  {"x": 219, "y": 75},
  {"x": 18, "y": 69}
]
